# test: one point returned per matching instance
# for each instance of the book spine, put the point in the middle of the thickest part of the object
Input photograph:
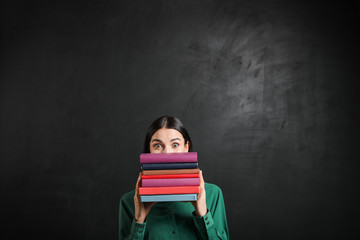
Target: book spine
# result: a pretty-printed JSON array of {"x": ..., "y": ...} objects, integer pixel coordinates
[
  {"x": 168, "y": 190},
  {"x": 194, "y": 175},
  {"x": 159, "y": 166},
  {"x": 170, "y": 182},
  {"x": 168, "y": 157},
  {"x": 168, "y": 198},
  {"x": 171, "y": 171}
]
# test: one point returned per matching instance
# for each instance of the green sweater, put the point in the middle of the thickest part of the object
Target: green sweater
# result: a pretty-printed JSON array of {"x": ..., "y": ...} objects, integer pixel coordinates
[{"x": 175, "y": 220}]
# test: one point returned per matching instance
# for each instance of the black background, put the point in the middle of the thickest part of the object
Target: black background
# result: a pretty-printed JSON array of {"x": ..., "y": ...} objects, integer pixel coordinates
[{"x": 266, "y": 89}]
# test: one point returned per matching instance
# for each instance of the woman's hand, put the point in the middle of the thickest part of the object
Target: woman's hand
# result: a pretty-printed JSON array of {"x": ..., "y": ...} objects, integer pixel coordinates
[
  {"x": 141, "y": 209},
  {"x": 200, "y": 204}
]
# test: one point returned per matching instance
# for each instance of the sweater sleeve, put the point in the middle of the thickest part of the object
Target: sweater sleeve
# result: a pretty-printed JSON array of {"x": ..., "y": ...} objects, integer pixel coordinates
[
  {"x": 128, "y": 228},
  {"x": 213, "y": 225}
]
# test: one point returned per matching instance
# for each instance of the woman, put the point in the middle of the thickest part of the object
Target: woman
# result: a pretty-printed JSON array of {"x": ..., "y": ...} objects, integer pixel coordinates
[{"x": 201, "y": 219}]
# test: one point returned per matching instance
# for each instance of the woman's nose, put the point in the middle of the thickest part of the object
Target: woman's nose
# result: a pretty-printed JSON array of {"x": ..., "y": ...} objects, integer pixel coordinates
[{"x": 168, "y": 150}]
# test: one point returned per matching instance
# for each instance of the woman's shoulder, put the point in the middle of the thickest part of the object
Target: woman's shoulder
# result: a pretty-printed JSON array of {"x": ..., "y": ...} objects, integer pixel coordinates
[
  {"x": 211, "y": 186},
  {"x": 128, "y": 198},
  {"x": 214, "y": 196},
  {"x": 212, "y": 189}
]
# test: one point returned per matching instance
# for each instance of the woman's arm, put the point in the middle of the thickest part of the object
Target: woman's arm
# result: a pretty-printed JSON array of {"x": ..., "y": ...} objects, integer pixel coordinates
[
  {"x": 128, "y": 228},
  {"x": 132, "y": 215},
  {"x": 141, "y": 209},
  {"x": 212, "y": 224},
  {"x": 200, "y": 203}
]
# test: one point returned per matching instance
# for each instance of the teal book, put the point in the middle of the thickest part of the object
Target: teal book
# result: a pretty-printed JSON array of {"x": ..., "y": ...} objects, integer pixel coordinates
[{"x": 168, "y": 198}]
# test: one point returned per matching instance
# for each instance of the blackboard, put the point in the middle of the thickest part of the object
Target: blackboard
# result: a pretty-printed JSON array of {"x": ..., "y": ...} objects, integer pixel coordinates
[{"x": 267, "y": 90}]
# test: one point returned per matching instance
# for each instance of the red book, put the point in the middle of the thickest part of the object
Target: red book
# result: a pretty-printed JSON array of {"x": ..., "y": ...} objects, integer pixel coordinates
[
  {"x": 170, "y": 171},
  {"x": 194, "y": 175},
  {"x": 168, "y": 190}
]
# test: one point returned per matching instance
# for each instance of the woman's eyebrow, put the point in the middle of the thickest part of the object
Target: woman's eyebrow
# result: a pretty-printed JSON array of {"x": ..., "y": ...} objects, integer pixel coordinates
[
  {"x": 175, "y": 139},
  {"x": 156, "y": 140}
]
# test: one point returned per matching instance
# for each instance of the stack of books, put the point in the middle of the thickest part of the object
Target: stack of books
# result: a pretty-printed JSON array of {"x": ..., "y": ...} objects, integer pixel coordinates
[{"x": 168, "y": 177}]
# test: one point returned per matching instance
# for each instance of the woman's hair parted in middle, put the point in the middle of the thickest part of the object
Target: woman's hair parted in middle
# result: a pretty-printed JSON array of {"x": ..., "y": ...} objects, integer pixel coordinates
[{"x": 170, "y": 123}]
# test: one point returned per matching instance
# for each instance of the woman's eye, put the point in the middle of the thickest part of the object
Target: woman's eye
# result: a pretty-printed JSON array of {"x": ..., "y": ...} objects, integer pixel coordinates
[
  {"x": 175, "y": 145},
  {"x": 157, "y": 146}
]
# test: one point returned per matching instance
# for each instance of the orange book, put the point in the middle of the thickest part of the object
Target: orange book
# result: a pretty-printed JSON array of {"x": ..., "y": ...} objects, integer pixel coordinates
[
  {"x": 170, "y": 171},
  {"x": 168, "y": 190}
]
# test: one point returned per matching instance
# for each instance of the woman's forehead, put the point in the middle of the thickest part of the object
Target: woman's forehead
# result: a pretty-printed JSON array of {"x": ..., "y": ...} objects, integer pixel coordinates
[{"x": 165, "y": 134}]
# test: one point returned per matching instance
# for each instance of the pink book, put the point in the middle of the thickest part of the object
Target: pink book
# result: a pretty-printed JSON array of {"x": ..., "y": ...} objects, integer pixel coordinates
[
  {"x": 168, "y": 157},
  {"x": 193, "y": 175},
  {"x": 169, "y": 190},
  {"x": 170, "y": 182}
]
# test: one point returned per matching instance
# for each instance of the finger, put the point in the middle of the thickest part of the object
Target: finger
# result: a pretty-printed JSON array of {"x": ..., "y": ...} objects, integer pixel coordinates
[
  {"x": 148, "y": 205},
  {"x": 152, "y": 204},
  {"x": 138, "y": 184},
  {"x": 201, "y": 179},
  {"x": 138, "y": 181},
  {"x": 202, "y": 186}
]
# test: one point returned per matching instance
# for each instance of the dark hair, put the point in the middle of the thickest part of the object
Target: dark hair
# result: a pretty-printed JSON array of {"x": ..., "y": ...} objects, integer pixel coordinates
[{"x": 166, "y": 122}]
